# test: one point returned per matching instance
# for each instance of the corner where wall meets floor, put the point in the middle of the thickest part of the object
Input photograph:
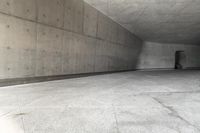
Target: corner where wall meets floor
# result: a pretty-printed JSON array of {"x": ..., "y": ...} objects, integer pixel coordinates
[{"x": 48, "y": 39}]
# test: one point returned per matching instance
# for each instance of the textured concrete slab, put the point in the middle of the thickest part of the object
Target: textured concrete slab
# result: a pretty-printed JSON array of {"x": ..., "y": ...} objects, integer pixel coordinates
[
  {"x": 17, "y": 43},
  {"x": 73, "y": 19},
  {"x": 68, "y": 62},
  {"x": 20, "y": 8},
  {"x": 90, "y": 20},
  {"x": 130, "y": 102},
  {"x": 32, "y": 42},
  {"x": 100, "y": 59},
  {"x": 49, "y": 50},
  {"x": 165, "y": 21},
  {"x": 103, "y": 26},
  {"x": 51, "y": 12}
]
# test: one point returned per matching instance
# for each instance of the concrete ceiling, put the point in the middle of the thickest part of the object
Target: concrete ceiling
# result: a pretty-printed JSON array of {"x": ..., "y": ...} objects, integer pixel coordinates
[{"x": 165, "y": 21}]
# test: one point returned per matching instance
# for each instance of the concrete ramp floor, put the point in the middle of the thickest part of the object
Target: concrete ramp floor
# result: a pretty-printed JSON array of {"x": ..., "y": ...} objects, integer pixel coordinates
[{"x": 129, "y": 102}]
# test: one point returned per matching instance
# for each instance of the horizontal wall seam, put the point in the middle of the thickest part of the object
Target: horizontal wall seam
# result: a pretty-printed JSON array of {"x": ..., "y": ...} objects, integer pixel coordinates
[{"x": 36, "y": 22}]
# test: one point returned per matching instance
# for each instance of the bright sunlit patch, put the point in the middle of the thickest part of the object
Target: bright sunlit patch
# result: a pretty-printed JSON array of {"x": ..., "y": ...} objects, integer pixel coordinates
[{"x": 9, "y": 125}]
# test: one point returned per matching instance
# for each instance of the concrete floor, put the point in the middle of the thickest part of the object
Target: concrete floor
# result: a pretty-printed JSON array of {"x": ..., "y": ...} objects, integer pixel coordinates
[{"x": 130, "y": 102}]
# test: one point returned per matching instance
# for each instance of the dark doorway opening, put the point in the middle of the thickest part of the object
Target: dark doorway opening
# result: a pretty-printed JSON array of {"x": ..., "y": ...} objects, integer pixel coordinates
[{"x": 180, "y": 59}]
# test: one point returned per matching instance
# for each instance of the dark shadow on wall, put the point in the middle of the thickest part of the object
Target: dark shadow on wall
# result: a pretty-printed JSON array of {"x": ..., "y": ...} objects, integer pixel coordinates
[
  {"x": 138, "y": 49},
  {"x": 180, "y": 59},
  {"x": 163, "y": 56}
]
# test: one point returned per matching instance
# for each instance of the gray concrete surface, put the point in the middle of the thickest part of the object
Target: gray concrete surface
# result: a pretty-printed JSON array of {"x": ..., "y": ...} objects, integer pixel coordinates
[
  {"x": 159, "y": 55},
  {"x": 130, "y": 102},
  {"x": 165, "y": 21},
  {"x": 63, "y": 37},
  {"x": 59, "y": 37}
]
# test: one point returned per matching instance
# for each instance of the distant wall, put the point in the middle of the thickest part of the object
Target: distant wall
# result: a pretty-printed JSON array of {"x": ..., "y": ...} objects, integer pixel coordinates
[
  {"x": 59, "y": 37},
  {"x": 157, "y": 55}
]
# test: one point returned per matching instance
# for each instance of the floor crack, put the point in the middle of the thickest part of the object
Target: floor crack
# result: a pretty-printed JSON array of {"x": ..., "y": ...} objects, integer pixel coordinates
[
  {"x": 22, "y": 118},
  {"x": 116, "y": 120},
  {"x": 174, "y": 113}
]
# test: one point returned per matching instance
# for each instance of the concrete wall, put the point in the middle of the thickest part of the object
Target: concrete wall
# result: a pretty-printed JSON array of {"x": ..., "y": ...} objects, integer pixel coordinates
[
  {"x": 157, "y": 55},
  {"x": 58, "y": 37}
]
